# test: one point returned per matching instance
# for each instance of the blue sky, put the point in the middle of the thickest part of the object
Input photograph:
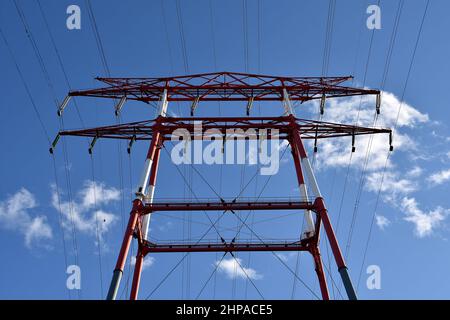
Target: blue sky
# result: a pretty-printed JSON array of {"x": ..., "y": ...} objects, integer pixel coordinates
[{"x": 409, "y": 242}]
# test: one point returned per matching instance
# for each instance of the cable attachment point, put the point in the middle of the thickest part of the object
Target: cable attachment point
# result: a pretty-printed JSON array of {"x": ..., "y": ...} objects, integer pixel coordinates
[
  {"x": 353, "y": 142},
  {"x": 249, "y": 105},
  {"x": 378, "y": 103},
  {"x": 194, "y": 105},
  {"x": 322, "y": 104},
  {"x": 91, "y": 146},
  {"x": 55, "y": 141},
  {"x": 63, "y": 105},
  {"x": 133, "y": 139},
  {"x": 224, "y": 141},
  {"x": 391, "y": 147},
  {"x": 315, "y": 139},
  {"x": 120, "y": 105}
]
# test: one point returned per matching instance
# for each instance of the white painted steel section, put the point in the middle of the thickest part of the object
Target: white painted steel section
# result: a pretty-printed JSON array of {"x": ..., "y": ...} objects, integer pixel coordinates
[
  {"x": 306, "y": 165},
  {"x": 146, "y": 220},
  {"x": 162, "y": 105},
  {"x": 287, "y": 105},
  {"x": 308, "y": 229}
]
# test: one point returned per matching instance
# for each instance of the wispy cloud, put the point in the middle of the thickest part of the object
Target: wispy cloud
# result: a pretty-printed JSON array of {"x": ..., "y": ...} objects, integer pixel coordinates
[
  {"x": 83, "y": 213},
  {"x": 399, "y": 182},
  {"x": 382, "y": 222},
  {"x": 440, "y": 177},
  {"x": 424, "y": 223},
  {"x": 393, "y": 186},
  {"x": 147, "y": 262},
  {"x": 230, "y": 267},
  {"x": 15, "y": 215}
]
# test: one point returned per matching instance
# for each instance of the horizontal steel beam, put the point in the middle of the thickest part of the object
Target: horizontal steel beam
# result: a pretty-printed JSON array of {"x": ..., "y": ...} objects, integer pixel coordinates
[
  {"x": 228, "y": 206},
  {"x": 223, "y": 247}
]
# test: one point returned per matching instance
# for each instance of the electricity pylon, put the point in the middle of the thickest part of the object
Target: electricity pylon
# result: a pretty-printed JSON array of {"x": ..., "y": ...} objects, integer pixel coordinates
[{"x": 227, "y": 86}]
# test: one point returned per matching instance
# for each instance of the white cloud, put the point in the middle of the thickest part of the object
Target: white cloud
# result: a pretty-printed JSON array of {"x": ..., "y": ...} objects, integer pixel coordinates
[
  {"x": 147, "y": 262},
  {"x": 94, "y": 192},
  {"x": 393, "y": 185},
  {"x": 14, "y": 215},
  {"x": 415, "y": 172},
  {"x": 425, "y": 223},
  {"x": 382, "y": 222},
  {"x": 230, "y": 267},
  {"x": 439, "y": 177},
  {"x": 83, "y": 214},
  {"x": 335, "y": 152}
]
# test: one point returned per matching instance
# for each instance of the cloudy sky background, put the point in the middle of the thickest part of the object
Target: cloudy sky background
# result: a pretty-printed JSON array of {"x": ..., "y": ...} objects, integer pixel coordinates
[{"x": 47, "y": 224}]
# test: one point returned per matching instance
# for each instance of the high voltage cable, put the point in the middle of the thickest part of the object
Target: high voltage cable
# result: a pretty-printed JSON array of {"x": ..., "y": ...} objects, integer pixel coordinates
[
  {"x": 60, "y": 61},
  {"x": 183, "y": 257},
  {"x": 169, "y": 47},
  {"x": 369, "y": 146},
  {"x": 186, "y": 69},
  {"x": 328, "y": 37},
  {"x": 211, "y": 275},
  {"x": 213, "y": 40},
  {"x": 356, "y": 122},
  {"x": 27, "y": 89},
  {"x": 416, "y": 45},
  {"x": 281, "y": 260},
  {"x": 258, "y": 39},
  {"x": 46, "y": 76},
  {"x": 97, "y": 230},
  {"x": 60, "y": 216}
]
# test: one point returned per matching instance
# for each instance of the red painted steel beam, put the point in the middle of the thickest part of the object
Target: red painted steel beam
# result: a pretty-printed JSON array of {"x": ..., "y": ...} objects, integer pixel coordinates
[
  {"x": 143, "y": 130},
  {"x": 221, "y": 247},
  {"x": 227, "y": 206},
  {"x": 224, "y": 86}
]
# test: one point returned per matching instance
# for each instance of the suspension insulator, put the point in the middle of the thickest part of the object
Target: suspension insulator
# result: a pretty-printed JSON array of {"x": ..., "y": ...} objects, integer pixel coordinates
[
  {"x": 322, "y": 104},
  {"x": 120, "y": 105},
  {"x": 249, "y": 105},
  {"x": 224, "y": 140},
  {"x": 353, "y": 142},
  {"x": 63, "y": 105},
  {"x": 91, "y": 146},
  {"x": 391, "y": 147},
  {"x": 133, "y": 139},
  {"x": 378, "y": 103},
  {"x": 55, "y": 141},
  {"x": 194, "y": 105}
]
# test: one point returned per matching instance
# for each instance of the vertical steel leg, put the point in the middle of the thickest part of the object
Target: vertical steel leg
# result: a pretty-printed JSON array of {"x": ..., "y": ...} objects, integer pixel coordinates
[
  {"x": 118, "y": 271},
  {"x": 135, "y": 214},
  {"x": 319, "y": 270},
  {"x": 343, "y": 270},
  {"x": 137, "y": 275}
]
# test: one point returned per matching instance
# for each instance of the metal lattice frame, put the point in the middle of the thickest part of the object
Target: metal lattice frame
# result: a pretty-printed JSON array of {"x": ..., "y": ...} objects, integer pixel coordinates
[{"x": 226, "y": 86}]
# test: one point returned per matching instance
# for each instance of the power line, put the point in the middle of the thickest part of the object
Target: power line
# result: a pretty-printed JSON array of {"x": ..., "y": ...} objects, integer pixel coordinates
[{"x": 411, "y": 64}]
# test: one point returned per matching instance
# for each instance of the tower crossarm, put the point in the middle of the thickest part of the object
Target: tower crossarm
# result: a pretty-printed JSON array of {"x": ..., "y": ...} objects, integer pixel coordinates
[
  {"x": 224, "y": 86},
  {"x": 309, "y": 129}
]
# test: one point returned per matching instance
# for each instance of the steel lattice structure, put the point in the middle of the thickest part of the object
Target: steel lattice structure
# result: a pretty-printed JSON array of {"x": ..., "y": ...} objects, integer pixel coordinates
[{"x": 226, "y": 86}]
